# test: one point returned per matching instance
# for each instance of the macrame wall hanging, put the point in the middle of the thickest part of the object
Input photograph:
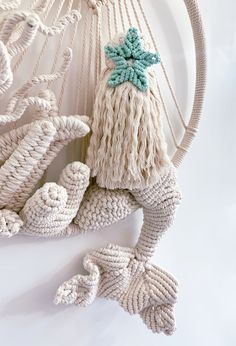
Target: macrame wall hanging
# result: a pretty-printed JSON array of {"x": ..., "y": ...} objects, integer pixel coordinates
[{"x": 122, "y": 147}]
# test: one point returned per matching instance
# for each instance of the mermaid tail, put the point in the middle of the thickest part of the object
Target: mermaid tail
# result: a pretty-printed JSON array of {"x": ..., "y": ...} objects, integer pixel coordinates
[{"x": 139, "y": 287}]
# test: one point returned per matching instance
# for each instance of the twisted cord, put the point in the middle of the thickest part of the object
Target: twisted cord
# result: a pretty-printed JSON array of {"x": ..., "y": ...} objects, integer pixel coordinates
[
  {"x": 14, "y": 19},
  {"x": 10, "y": 23},
  {"x": 27, "y": 36},
  {"x": 63, "y": 22},
  {"x": 49, "y": 96}
]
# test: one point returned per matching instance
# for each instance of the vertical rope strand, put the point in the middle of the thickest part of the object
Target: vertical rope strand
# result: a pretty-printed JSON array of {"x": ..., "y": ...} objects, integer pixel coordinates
[
  {"x": 115, "y": 17},
  {"x": 127, "y": 13},
  {"x": 109, "y": 21},
  {"x": 136, "y": 16},
  {"x": 90, "y": 65},
  {"x": 121, "y": 16}
]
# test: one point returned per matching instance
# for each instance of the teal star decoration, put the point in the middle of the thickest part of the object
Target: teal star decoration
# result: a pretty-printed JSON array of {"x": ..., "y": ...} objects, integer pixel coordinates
[{"x": 131, "y": 61}]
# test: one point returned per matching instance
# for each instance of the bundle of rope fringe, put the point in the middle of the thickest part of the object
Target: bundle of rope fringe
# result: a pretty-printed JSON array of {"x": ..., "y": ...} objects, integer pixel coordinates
[{"x": 127, "y": 130}]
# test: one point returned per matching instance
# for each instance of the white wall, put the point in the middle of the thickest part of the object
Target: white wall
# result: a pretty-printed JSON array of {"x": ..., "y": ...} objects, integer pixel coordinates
[{"x": 199, "y": 249}]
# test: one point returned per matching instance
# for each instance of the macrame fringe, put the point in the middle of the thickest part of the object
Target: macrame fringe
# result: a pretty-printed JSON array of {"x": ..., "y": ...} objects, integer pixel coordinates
[{"x": 127, "y": 147}]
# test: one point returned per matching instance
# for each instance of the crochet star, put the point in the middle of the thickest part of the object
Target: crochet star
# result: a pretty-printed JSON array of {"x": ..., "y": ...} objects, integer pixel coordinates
[{"x": 131, "y": 61}]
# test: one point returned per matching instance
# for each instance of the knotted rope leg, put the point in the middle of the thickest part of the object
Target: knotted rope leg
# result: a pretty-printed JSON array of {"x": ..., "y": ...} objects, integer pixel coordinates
[
  {"x": 52, "y": 208},
  {"x": 125, "y": 274}
]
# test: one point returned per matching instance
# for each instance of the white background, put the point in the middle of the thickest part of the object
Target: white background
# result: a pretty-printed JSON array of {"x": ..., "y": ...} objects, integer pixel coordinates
[{"x": 199, "y": 249}]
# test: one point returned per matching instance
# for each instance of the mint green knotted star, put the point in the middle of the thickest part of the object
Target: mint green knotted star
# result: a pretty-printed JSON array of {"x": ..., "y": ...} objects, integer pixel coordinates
[{"x": 131, "y": 61}]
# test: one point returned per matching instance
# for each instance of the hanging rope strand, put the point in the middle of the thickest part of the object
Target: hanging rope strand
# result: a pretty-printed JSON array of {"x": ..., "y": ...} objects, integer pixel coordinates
[
  {"x": 109, "y": 22},
  {"x": 127, "y": 13},
  {"x": 136, "y": 16},
  {"x": 115, "y": 17},
  {"x": 121, "y": 16}
]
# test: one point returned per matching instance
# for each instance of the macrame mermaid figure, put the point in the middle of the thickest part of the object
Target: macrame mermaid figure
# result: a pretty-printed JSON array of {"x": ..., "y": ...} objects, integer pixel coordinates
[
  {"x": 127, "y": 155},
  {"x": 128, "y": 151}
]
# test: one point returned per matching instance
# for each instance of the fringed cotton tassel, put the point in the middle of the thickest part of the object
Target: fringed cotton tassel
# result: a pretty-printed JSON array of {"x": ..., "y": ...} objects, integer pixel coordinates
[{"x": 127, "y": 146}]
